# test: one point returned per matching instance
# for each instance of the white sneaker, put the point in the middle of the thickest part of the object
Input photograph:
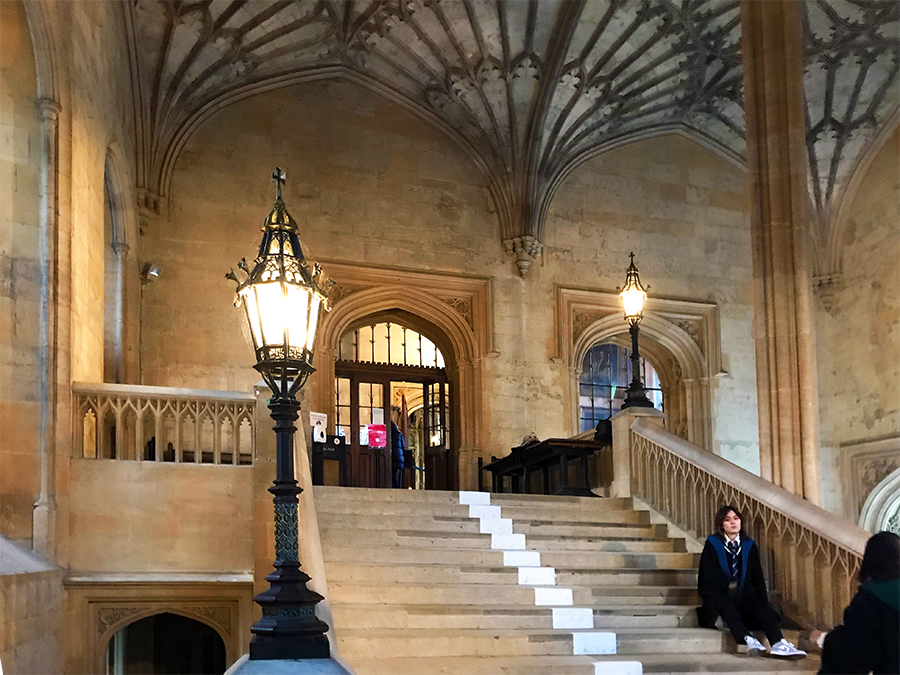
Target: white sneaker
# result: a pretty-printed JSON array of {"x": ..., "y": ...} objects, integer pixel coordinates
[
  {"x": 754, "y": 646},
  {"x": 786, "y": 650}
]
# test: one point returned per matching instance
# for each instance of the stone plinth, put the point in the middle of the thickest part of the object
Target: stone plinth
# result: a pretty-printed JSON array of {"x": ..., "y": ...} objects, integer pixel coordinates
[
  {"x": 621, "y": 425},
  {"x": 244, "y": 666}
]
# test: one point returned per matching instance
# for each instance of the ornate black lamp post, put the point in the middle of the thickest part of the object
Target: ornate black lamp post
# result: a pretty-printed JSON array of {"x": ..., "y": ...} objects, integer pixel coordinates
[
  {"x": 633, "y": 296},
  {"x": 283, "y": 299}
]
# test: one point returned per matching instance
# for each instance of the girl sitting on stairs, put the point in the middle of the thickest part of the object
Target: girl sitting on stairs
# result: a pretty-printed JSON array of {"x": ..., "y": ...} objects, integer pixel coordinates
[{"x": 731, "y": 585}]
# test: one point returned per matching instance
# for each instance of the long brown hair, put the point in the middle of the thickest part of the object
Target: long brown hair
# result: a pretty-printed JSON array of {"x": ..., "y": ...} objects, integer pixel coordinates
[{"x": 721, "y": 515}]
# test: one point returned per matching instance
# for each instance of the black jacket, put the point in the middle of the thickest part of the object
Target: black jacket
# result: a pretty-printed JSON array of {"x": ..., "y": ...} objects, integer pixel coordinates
[
  {"x": 868, "y": 640},
  {"x": 712, "y": 581}
]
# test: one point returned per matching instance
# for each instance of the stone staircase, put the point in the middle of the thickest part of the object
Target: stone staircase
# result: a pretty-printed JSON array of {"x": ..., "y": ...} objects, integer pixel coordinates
[{"x": 421, "y": 584}]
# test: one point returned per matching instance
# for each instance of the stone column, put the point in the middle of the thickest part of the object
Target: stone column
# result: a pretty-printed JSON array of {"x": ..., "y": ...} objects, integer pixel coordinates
[
  {"x": 121, "y": 252},
  {"x": 785, "y": 341},
  {"x": 621, "y": 450},
  {"x": 44, "y": 516}
]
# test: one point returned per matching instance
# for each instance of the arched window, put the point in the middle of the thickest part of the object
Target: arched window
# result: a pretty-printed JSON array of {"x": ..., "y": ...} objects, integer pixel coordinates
[
  {"x": 389, "y": 343},
  {"x": 604, "y": 379}
]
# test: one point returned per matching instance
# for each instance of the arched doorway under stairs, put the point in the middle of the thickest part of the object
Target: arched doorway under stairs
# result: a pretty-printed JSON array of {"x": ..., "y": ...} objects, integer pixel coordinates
[{"x": 166, "y": 644}]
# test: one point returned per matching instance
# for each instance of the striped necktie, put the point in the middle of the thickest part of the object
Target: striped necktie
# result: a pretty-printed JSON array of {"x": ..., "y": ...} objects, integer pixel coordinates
[{"x": 734, "y": 550}]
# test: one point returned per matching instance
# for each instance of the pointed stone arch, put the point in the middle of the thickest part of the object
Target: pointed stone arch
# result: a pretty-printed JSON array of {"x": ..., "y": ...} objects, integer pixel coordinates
[
  {"x": 882, "y": 507},
  {"x": 126, "y": 616},
  {"x": 679, "y": 338},
  {"x": 450, "y": 310}
]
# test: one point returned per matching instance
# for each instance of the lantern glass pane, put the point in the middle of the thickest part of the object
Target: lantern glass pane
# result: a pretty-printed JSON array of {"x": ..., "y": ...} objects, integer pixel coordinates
[
  {"x": 313, "y": 321},
  {"x": 248, "y": 298},
  {"x": 272, "y": 314},
  {"x": 296, "y": 310},
  {"x": 633, "y": 301}
]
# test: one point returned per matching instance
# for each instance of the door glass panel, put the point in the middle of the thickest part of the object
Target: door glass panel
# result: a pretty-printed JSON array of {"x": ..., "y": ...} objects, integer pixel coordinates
[
  {"x": 342, "y": 406},
  {"x": 371, "y": 410}
]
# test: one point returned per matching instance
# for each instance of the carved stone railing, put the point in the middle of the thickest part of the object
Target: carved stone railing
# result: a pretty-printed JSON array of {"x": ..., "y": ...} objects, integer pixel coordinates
[
  {"x": 810, "y": 556},
  {"x": 163, "y": 424}
]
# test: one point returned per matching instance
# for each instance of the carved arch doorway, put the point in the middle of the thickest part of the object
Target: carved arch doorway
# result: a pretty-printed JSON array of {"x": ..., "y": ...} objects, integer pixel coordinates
[
  {"x": 391, "y": 379},
  {"x": 166, "y": 643}
]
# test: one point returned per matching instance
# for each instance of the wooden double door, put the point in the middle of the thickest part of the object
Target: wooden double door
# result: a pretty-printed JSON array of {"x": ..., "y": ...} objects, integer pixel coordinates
[{"x": 364, "y": 397}]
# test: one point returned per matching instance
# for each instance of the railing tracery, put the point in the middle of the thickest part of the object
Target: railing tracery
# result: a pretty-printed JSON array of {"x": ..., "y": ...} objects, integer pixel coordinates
[
  {"x": 163, "y": 424},
  {"x": 810, "y": 556}
]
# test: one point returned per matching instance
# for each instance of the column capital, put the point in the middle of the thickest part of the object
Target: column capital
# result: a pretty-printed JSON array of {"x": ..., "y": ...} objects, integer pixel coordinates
[
  {"x": 48, "y": 109},
  {"x": 121, "y": 249}
]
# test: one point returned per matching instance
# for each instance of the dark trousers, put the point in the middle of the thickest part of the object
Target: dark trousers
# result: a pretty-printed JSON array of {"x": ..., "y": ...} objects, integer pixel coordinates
[
  {"x": 738, "y": 613},
  {"x": 397, "y": 478}
]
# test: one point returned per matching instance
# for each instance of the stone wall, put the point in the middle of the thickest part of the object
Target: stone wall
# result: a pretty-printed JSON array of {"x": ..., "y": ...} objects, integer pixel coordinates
[
  {"x": 369, "y": 183},
  {"x": 102, "y": 109},
  {"x": 20, "y": 272},
  {"x": 31, "y": 608},
  {"x": 859, "y": 339},
  {"x": 149, "y": 517},
  {"x": 684, "y": 213}
]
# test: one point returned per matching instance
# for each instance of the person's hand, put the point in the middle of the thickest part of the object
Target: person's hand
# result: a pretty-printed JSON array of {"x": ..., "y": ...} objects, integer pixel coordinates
[
  {"x": 817, "y": 637},
  {"x": 810, "y": 640}
]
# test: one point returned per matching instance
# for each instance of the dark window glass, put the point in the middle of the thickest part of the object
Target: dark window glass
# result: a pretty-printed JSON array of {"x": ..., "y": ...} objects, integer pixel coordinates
[{"x": 605, "y": 376}]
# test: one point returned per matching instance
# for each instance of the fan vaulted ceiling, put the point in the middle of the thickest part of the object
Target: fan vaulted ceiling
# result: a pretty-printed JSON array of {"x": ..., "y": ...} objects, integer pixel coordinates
[{"x": 529, "y": 88}]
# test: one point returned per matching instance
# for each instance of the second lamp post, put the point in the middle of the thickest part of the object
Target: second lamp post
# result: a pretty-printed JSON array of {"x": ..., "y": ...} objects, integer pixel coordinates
[{"x": 633, "y": 296}]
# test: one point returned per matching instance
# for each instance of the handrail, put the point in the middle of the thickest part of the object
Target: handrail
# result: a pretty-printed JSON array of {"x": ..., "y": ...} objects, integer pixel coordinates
[
  {"x": 163, "y": 424},
  {"x": 810, "y": 555},
  {"x": 162, "y": 392},
  {"x": 824, "y": 523}
]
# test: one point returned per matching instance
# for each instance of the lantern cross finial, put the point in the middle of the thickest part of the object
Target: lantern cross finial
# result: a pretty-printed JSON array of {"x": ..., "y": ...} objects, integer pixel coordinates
[
  {"x": 279, "y": 177},
  {"x": 631, "y": 255}
]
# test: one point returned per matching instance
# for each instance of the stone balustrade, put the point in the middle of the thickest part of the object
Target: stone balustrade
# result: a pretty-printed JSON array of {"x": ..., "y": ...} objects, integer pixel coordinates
[
  {"x": 810, "y": 555},
  {"x": 163, "y": 424}
]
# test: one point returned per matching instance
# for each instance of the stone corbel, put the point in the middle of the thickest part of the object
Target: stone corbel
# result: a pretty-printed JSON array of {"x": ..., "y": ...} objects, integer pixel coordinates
[
  {"x": 826, "y": 287},
  {"x": 150, "y": 206},
  {"x": 526, "y": 249}
]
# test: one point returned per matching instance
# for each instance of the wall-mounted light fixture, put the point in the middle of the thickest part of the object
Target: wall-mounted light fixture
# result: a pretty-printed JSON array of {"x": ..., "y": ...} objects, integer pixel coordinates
[{"x": 150, "y": 272}]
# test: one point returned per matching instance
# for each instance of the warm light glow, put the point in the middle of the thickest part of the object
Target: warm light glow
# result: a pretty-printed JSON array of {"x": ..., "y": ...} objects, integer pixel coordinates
[
  {"x": 296, "y": 310},
  {"x": 633, "y": 299},
  {"x": 313, "y": 321},
  {"x": 633, "y": 295},
  {"x": 271, "y": 305}
]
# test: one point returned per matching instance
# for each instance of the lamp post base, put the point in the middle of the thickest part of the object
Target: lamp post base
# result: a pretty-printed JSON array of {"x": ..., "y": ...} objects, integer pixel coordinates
[
  {"x": 289, "y": 627},
  {"x": 636, "y": 397},
  {"x": 244, "y": 666}
]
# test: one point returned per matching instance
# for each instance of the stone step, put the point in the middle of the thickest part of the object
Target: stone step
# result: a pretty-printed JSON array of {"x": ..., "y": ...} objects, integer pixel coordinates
[
  {"x": 566, "y": 514},
  {"x": 455, "y": 594},
  {"x": 601, "y": 559},
  {"x": 667, "y": 664},
  {"x": 428, "y": 594},
  {"x": 328, "y": 493},
  {"x": 497, "y": 617},
  {"x": 407, "y": 555},
  {"x": 629, "y": 577},
  {"x": 476, "y": 665},
  {"x": 346, "y": 522},
  {"x": 387, "y": 573},
  {"x": 478, "y": 540},
  {"x": 457, "y": 551},
  {"x": 390, "y": 573},
  {"x": 574, "y": 544},
  {"x": 612, "y": 596},
  {"x": 725, "y": 662},
  {"x": 367, "y": 643}
]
